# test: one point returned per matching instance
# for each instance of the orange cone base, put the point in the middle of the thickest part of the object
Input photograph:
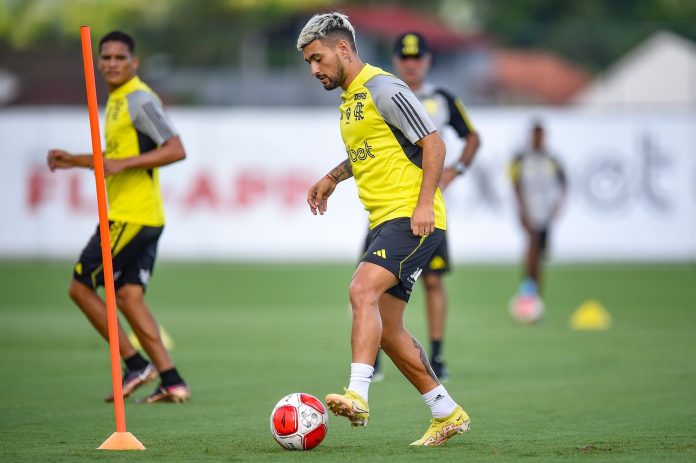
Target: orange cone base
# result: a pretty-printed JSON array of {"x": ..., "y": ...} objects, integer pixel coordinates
[{"x": 121, "y": 441}]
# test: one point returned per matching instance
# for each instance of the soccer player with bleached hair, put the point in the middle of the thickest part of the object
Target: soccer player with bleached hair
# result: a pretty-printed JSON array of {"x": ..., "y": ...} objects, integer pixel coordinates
[{"x": 396, "y": 157}]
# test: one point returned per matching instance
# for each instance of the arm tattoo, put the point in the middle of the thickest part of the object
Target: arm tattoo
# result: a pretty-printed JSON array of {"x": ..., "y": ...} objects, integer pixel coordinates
[
  {"x": 424, "y": 359},
  {"x": 342, "y": 171}
]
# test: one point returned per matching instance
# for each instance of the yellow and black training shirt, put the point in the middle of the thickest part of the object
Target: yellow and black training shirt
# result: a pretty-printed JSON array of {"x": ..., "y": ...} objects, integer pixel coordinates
[
  {"x": 135, "y": 124},
  {"x": 381, "y": 121}
]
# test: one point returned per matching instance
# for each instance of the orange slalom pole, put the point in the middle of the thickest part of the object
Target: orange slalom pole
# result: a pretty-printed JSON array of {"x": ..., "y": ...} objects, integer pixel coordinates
[{"x": 120, "y": 439}]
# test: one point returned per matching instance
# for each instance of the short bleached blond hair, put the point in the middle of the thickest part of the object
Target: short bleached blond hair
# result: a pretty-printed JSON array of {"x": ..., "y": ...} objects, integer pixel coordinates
[{"x": 323, "y": 25}]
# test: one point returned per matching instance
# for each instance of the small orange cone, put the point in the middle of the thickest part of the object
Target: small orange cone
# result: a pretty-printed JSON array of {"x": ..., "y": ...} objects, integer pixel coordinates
[
  {"x": 121, "y": 441},
  {"x": 591, "y": 315}
]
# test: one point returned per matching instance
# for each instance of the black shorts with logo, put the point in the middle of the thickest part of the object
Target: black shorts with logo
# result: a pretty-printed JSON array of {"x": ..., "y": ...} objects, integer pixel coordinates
[
  {"x": 439, "y": 263},
  {"x": 133, "y": 252},
  {"x": 393, "y": 245}
]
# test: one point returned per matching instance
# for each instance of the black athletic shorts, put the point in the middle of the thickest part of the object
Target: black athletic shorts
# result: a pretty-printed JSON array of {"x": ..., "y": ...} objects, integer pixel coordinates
[
  {"x": 133, "y": 252},
  {"x": 393, "y": 245},
  {"x": 439, "y": 262},
  {"x": 542, "y": 235}
]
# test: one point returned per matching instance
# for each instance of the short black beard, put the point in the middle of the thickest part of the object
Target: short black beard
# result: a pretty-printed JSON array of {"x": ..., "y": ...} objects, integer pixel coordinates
[{"x": 336, "y": 82}]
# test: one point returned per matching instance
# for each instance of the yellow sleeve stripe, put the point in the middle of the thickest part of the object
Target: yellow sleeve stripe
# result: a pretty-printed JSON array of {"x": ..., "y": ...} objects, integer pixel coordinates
[
  {"x": 514, "y": 171},
  {"x": 462, "y": 112}
]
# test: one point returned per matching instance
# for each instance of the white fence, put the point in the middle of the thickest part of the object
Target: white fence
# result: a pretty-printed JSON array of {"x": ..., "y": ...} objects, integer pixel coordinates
[{"x": 241, "y": 192}]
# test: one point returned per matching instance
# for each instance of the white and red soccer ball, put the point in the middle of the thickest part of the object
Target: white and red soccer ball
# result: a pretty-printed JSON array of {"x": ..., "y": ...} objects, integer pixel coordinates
[
  {"x": 299, "y": 422},
  {"x": 526, "y": 309}
]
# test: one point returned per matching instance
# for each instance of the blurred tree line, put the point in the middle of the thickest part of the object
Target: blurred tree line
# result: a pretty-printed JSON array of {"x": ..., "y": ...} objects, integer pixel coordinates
[{"x": 591, "y": 33}]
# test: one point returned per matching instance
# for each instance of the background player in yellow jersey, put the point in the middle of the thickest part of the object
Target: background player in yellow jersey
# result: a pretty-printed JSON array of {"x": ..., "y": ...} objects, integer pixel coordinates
[
  {"x": 396, "y": 156},
  {"x": 412, "y": 60},
  {"x": 139, "y": 139}
]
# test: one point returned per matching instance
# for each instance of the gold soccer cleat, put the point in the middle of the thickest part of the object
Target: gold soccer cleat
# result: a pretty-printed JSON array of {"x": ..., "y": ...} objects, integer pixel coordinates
[
  {"x": 442, "y": 429},
  {"x": 351, "y": 405},
  {"x": 178, "y": 393}
]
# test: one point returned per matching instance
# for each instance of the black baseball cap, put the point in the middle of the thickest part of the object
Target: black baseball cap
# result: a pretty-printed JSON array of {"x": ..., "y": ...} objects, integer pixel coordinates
[{"x": 411, "y": 45}]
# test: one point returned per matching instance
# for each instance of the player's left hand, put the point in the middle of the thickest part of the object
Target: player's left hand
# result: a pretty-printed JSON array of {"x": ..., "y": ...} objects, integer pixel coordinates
[
  {"x": 423, "y": 220},
  {"x": 448, "y": 175},
  {"x": 113, "y": 166}
]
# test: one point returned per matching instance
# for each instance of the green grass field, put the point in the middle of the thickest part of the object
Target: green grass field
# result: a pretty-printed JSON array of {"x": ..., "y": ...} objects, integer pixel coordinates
[{"x": 246, "y": 335}]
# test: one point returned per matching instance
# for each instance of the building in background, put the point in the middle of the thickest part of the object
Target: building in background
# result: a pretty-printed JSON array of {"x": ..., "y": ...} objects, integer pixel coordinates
[
  {"x": 536, "y": 77},
  {"x": 659, "y": 72}
]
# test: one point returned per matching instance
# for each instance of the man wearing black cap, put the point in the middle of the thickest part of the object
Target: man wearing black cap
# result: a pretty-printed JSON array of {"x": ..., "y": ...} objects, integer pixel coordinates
[{"x": 412, "y": 60}]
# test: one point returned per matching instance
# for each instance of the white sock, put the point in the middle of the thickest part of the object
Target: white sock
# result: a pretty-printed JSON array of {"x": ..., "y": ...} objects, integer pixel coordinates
[
  {"x": 440, "y": 403},
  {"x": 360, "y": 378}
]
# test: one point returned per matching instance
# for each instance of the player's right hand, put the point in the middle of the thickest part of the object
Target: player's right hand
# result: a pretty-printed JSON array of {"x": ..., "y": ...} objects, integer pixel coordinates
[
  {"x": 58, "y": 159},
  {"x": 423, "y": 220},
  {"x": 318, "y": 195}
]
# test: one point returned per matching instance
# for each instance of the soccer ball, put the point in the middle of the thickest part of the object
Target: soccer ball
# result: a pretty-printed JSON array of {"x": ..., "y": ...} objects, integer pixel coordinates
[
  {"x": 299, "y": 422},
  {"x": 526, "y": 309}
]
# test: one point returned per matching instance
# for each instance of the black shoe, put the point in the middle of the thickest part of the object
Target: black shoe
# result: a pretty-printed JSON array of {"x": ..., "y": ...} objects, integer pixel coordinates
[
  {"x": 377, "y": 375},
  {"x": 440, "y": 370}
]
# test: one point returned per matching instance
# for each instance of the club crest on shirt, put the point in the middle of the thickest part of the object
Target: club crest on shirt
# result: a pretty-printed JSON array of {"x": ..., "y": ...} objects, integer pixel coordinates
[
  {"x": 430, "y": 105},
  {"x": 358, "y": 113}
]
